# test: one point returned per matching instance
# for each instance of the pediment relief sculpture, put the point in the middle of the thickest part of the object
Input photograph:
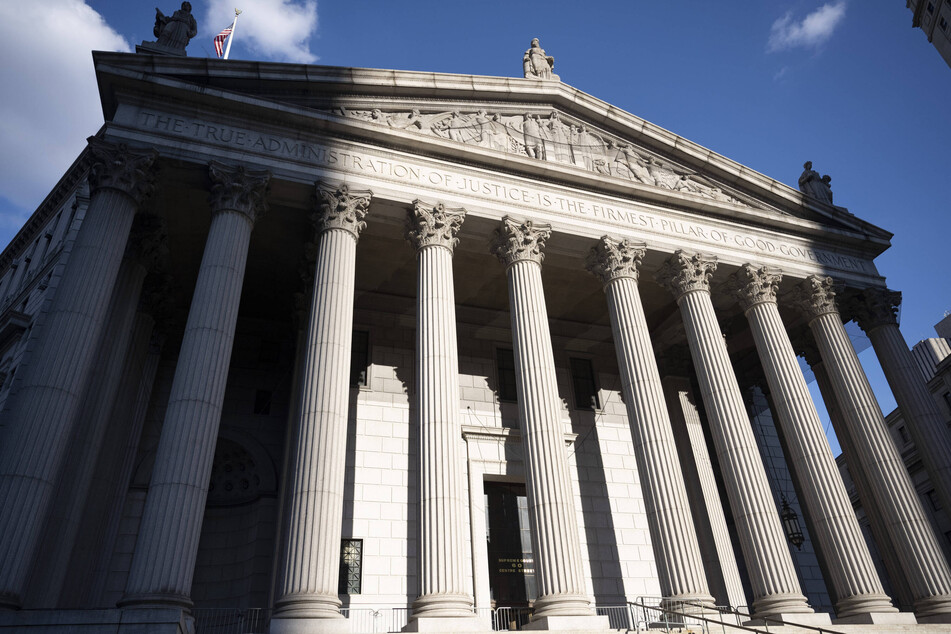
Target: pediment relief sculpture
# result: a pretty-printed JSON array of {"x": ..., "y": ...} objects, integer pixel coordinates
[{"x": 551, "y": 137}]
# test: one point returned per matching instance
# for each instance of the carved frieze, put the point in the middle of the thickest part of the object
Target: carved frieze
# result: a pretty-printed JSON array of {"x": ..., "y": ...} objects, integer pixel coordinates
[
  {"x": 339, "y": 207},
  {"x": 119, "y": 167},
  {"x": 684, "y": 272},
  {"x": 515, "y": 241},
  {"x": 875, "y": 307},
  {"x": 611, "y": 259},
  {"x": 815, "y": 296},
  {"x": 552, "y": 137},
  {"x": 428, "y": 224},
  {"x": 236, "y": 188},
  {"x": 753, "y": 285}
]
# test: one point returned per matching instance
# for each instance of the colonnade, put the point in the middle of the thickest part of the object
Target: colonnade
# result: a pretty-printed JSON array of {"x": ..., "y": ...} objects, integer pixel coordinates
[{"x": 162, "y": 567}]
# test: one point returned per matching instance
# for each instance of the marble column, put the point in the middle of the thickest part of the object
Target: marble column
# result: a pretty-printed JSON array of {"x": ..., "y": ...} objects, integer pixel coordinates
[
  {"x": 42, "y": 414},
  {"x": 899, "y": 587},
  {"x": 164, "y": 560},
  {"x": 875, "y": 313},
  {"x": 776, "y": 590},
  {"x": 926, "y": 570},
  {"x": 307, "y": 590},
  {"x": 444, "y": 604},
  {"x": 673, "y": 535},
  {"x": 562, "y": 599},
  {"x": 856, "y": 583}
]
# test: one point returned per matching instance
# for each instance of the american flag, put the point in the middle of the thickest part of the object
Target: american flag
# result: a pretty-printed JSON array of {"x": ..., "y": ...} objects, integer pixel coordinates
[{"x": 220, "y": 39}]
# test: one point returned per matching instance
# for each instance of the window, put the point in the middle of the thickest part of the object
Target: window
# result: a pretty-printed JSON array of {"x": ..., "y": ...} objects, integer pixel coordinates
[
  {"x": 351, "y": 564},
  {"x": 359, "y": 358},
  {"x": 506, "y": 370},
  {"x": 947, "y": 400},
  {"x": 933, "y": 499},
  {"x": 582, "y": 380},
  {"x": 903, "y": 433},
  {"x": 262, "y": 402},
  {"x": 930, "y": 8},
  {"x": 943, "y": 24}
]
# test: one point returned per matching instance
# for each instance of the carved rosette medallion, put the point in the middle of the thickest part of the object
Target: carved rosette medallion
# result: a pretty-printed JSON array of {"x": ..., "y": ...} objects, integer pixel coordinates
[
  {"x": 684, "y": 272},
  {"x": 815, "y": 296},
  {"x": 236, "y": 188},
  {"x": 433, "y": 225},
  {"x": 339, "y": 207},
  {"x": 119, "y": 167},
  {"x": 612, "y": 259},
  {"x": 755, "y": 285},
  {"x": 148, "y": 240},
  {"x": 875, "y": 307},
  {"x": 516, "y": 241}
]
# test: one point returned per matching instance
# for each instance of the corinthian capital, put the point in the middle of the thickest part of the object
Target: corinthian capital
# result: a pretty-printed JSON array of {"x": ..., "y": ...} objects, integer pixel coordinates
[
  {"x": 148, "y": 240},
  {"x": 429, "y": 225},
  {"x": 119, "y": 167},
  {"x": 684, "y": 272},
  {"x": 515, "y": 241},
  {"x": 236, "y": 188},
  {"x": 339, "y": 207},
  {"x": 612, "y": 259},
  {"x": 874, "y": 307},
  {"x": 751, "y": 285},
  {"x": 815, "y": 296}
]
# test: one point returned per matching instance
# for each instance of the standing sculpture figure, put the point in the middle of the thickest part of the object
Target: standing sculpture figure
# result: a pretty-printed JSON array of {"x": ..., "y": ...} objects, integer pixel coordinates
[
  {"x": 812, "y": 185},
  {"x": 537, "y": 65},
  {"x": 172, "y": 32}
]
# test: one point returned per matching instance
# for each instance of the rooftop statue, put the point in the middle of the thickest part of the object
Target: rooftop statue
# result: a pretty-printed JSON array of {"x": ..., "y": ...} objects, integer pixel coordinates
[
  {"x": 173, "y": 32},
  {"x": 537, "y": 65},
  {"x": 812, "y": 185}
]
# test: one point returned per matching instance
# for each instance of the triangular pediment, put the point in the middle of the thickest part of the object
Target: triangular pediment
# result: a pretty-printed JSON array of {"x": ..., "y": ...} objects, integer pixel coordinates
[{"x": 540, "y": 128}]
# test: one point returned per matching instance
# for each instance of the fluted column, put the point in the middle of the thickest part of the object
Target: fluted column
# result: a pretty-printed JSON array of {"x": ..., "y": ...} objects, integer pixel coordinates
[
  {"x": 772, "y": 575},
  {"x": 875, "y": 313},
  {"x": 857, "y": 586},
  {"x": 925, "y": 568},
  {"x": 311, "y": 556},
  {"x": 42, "y": 415},
  {"x": 562, "y": 601},
  {"x": 443, "y": 602},
  {"x": 164, "y": 560},
  {"x": 673, "y": 535}
]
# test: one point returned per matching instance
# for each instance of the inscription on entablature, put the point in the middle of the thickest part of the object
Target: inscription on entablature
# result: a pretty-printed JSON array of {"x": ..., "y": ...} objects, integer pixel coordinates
[{"x": 650, "y": 222}]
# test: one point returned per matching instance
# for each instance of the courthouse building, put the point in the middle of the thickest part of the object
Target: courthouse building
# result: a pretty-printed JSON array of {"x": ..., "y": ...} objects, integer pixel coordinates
[{"x": 337, "y": 343}]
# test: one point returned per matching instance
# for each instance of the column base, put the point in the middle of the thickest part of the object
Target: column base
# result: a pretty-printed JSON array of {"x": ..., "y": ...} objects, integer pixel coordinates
[
  {"x": 304, "y": 625},
  {"x": 779, "y": 604},
  {"x": 791, "y": 618},
  {"x": 469, "y": 623},
  {"x": 878, "y": 618},
  {"x": 108, "y": 621},
  {"x": 935, "y": 609},
  {"x": 154, "y": 600},
  {"x": 592, "y": 622}
]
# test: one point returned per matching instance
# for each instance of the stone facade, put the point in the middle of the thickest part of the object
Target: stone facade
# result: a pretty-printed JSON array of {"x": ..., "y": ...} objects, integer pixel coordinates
[{"x": 395, "y": 350}]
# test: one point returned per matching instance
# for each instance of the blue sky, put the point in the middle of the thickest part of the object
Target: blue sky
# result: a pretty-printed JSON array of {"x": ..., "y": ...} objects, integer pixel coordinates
[{"x": 849, "y": 85}]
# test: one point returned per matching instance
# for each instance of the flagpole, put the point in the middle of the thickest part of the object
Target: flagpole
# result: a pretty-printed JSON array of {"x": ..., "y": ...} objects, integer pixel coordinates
[{"x": 234, "y": 25}]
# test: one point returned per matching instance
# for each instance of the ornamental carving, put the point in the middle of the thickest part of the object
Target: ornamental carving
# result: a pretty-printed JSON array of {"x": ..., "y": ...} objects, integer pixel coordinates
[
  {"x": 612, "y": 259},
  {"x": 684, "y": 272},
  {"x": 550, "y": 137},
  {"x": 119, "y": 167},
  {"x": 236, "y": 188},
  {"x": 516, "y": 241},
  {"x": 339, "y": 207},
  {"x": 157, "y": 295},
  {"x": 148, "y": 240},
  {"x": 875, "y": 307},
  {"x": 815, "y": 296},
  {"x": 428, "y": 225},
  {"x": 755, "y": 285}
]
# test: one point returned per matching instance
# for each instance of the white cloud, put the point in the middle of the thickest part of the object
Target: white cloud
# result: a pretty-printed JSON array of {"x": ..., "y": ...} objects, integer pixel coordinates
[
  {"x": 279, "y": 30},
  {"x": 50, "y": 101},
  {"x": 810, "y": 32}
]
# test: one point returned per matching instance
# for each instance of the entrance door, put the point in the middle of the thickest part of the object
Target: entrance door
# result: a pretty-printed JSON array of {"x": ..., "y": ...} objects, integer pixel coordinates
[{"x": 511, "y": 563}]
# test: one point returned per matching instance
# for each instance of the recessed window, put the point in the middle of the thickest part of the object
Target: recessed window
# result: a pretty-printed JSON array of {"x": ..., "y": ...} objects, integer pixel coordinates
[
  {"x": 359, "y": 358},
  {"x": 262, "y": 402},
  {"x": 903, "y": 434},
  {"x": 943, "y": 24},
  {"x": 505, "y": 360},
  {"x": 933, "y": 500},
  {"x": 351, "y": 566},
  {"x": 582, "y": 380},
  {"x": 930, "y": 8}
]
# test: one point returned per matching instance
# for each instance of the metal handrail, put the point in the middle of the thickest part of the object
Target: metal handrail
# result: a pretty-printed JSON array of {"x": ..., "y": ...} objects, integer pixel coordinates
[
  {"x": 776, "y": 621},
  {"x": 666, "y": 611}
]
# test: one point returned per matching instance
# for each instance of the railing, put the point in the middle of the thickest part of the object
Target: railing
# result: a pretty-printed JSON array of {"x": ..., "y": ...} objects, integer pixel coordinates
[
  {"x": 231, "y": 620},
  {"x": 375, "y": 621},
  {"x": 681, "y": 614}
]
